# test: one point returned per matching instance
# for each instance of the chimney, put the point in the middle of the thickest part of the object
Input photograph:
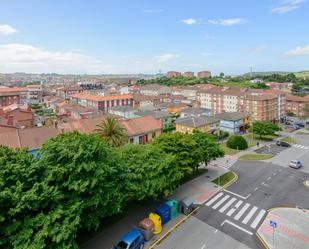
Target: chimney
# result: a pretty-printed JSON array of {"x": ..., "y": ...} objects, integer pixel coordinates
[{"x": 10, "y": 120}]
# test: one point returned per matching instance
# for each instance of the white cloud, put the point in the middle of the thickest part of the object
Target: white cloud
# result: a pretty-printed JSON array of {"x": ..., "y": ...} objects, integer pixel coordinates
[
  {"x": 6, "y": 29},
  {"x": 189, "y": 21},
  {"x": 26, "y": 58},
  {"x": 287, "y": 6},
  {"x": 228, "y": 22},
  {"x": 165, "y": 57},
  {"x": 298, "y": 51}
]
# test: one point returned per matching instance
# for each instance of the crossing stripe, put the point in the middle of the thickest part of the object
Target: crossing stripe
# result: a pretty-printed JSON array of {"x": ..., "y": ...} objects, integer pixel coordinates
[
  {"x": 219, "y": 203},
  {"x": 237, "y": 205},
  {"x": 302, "y": 146},
  {"x": 258, "y": 218},
  {"x": 249, "y": 216},
  {"x": 214, "y": 199},
  {"x": 306, "y": 147},
  {"x": 230, "y": 202},
  {"x": 242, "y": 211}
]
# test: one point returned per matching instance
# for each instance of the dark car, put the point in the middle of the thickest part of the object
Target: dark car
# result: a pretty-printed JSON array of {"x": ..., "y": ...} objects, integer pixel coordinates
[
  {"x": 283, "y": 144},
  {"x": 301, "y": 125}
]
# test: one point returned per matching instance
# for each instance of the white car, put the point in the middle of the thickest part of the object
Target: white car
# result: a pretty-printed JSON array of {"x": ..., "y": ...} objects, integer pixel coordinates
[{"x": 295, "y": 164}]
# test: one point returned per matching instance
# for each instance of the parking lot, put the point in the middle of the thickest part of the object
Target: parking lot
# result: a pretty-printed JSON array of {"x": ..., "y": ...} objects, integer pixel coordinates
[{"x": 272, "y": 149}]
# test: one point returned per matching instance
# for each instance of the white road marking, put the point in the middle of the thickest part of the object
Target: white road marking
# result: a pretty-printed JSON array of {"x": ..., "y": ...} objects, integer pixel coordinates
[
  {"x": 234, "y": 225},
  {"x": 306, "y": 147},
  {"x": 262, "y": 183},
  {"x": 302, "y": 146},
  {"x": 203, "y": 247},
  {"x": 237, "y": 205},
  {"x": 214, "y": 199},
  {"x": 216, "y": 231},
  {"x": 242, "y": 211},
  {"x": 268, "y": 178},
  {"x": 230, "y": 202},
  {"x": 219, "y": 203},
  {"x": 256, "y": 189},
  {"x": 249, "y": 215},
  {"x": 258, "y": 218},
  {"x": 274, "y": 174},
  {"x": 298, "y": 145},
  {"x": 240, "y": 196}
]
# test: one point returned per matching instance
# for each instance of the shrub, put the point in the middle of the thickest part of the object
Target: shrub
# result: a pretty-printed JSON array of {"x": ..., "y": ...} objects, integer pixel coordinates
[{"x": 237, "y": 143}]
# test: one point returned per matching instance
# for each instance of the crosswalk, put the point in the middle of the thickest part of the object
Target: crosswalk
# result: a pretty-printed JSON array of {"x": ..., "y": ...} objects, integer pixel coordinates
[
  {"x": 301, "y": 146},
  {"x": 239, "y": 210},
  {"x": 226, "y": 162}
]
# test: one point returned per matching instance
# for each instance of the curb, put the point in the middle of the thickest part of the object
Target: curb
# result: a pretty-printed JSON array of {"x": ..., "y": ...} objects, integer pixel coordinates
[
  {"x": 269, "y": 210},
  {"x": 262, "y": 241},
  {"x": 172, "y": 229},
  {"x": 189, "y": 215}
]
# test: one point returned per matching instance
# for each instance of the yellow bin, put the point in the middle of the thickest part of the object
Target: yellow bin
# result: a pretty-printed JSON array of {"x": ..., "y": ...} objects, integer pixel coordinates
[{"x": 156, "y": 219}]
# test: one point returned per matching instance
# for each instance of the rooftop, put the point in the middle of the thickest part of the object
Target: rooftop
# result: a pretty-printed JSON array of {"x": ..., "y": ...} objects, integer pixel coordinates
[
  {"x": 196, "y": 110},
  {"x": 232, "y": 116},
  {"x": 196, "y": 122},
  {"x": 155, "y": 114},
  {"x": 101, "y": 98}
]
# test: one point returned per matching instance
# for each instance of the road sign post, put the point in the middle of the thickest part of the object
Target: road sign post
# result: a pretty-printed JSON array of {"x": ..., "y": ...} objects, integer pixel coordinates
[{"x": 273, "y": 224}]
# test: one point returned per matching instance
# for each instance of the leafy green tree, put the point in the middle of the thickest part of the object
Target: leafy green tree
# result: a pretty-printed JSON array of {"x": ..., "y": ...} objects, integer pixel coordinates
[
  {"x": 75, "y": 183},
  {"x": 112, "y": 132},
  {"x": 209, "y": 149},
  {"x": 150, "y": 171},
  {"x": 263, "y": 128},
  {"x": 237, "y": 142},
  {"x": 183, "y": 147}
]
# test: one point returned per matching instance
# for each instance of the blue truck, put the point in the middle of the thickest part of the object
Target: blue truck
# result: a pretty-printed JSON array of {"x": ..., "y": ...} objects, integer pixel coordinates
[{"x": 132, "y": 240}]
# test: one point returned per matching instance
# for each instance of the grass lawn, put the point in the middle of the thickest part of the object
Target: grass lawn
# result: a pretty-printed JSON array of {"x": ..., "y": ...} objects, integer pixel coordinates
[
  {"x": 302, "y": 133},
  {"x": 224, "y": 179},
  {"x": 257, "y": 138},
  {"x": 253, "y": 157},
  {"x": 288, "y": 140},
  {"x": 227, "y": 150}
]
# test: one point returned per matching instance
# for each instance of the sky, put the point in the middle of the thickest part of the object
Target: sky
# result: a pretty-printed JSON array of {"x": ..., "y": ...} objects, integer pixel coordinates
[{"x": 149, "y": 36}]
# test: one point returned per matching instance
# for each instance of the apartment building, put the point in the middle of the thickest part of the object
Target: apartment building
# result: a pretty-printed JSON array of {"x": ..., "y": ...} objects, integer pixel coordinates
[
  {"x": 297, "y": 105},
  {"x": 34, "y": 94},
  {"x": 66, "y": 92},
  {"x": 15, "y": 95},
  {"x": 173, "y": 74},
  {"x": 188, "y": 74},
  {"x": 102, "y": 103},
  {"x": 204, "y": 74}
]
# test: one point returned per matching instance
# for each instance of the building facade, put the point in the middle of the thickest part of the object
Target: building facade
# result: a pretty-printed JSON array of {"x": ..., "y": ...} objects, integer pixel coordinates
[
  {"x": 204, "y": 74},
  {"x": 299, "y": 106}
]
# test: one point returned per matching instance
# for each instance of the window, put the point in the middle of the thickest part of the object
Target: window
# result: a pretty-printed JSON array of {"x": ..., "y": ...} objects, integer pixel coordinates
[
  {"x": 131, "y": 140},
  {"x": 153, "y": 135}
]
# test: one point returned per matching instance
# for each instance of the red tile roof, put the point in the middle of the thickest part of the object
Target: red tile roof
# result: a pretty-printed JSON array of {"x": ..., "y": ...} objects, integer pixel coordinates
[
  {"x": 12, "y": 89},
  {"x": 101, "y": 98},
  {"x": 297, "y": 98},
  {"x": 138, "y": 126}
]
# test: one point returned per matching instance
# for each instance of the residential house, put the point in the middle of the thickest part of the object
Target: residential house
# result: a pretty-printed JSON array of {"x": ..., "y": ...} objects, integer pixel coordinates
[
  {"x": 204, "y": 74},
  {"x": 233, "y": 122},
  {"x": 66, "y": 92},
  {"x": 145, "y": 101},
  {"x": 188, "y": 74},
  {"x": 17, "y": 115},
  {"x": 164, "y": 116},
  {"x": 154, "y": 90},
  {"x": 123, "y": 111},
  {"x": 34, "y": 94},
  {"x": 142, "y": 130},
  {"x": 204, "y": 124},
  {"x": 195, "y": 112},
  {"x": 173, "y": 74}
]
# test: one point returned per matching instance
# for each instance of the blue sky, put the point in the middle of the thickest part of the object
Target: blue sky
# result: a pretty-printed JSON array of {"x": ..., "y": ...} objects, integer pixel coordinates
[{"x": 143, "y": 36}]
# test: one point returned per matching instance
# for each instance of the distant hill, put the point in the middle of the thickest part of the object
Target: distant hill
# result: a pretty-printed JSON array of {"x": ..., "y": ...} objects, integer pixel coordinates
[
  {"x": 255, "y": 74},
  {"x": 302, "y": 74}
]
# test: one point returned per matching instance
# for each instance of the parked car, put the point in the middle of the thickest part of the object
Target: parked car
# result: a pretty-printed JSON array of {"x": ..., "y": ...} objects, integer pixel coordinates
[
  {"x": 132, "y": 240},
  {"x": 282, "y": 144},
  {"x": 300, "y": 125},
  {"x": 295, "y": 164}
]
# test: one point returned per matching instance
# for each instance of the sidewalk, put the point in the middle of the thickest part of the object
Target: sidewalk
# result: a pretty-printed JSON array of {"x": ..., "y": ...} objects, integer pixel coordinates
[
  {"x": 199, "y": 189},
  {"x": 291, "y": 231}
]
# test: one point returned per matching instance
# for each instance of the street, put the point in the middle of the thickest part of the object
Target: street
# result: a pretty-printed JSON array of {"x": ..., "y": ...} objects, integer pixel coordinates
[{"x": 238, "y": 211}]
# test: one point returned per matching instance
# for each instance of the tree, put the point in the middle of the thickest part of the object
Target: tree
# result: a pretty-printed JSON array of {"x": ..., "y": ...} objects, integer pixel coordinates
[
  {"x": 237, "y": 143},
  {"x": 150, "y": 171},
  {"x": 183, "y": 147},
  {"x": 75, "y": 183},
  {"x": 221, "y": 75},
  {"x": 112, "y": 132},
  {"x": 209, "y": 149},
  {"x": 263, "y": 128}
]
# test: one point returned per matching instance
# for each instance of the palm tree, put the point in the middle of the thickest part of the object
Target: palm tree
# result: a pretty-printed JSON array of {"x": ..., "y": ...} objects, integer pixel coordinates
[{"x": 112, "y": 132}]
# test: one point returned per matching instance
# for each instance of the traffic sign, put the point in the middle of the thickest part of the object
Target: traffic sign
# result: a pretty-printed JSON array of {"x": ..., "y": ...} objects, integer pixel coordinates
[{"x": 273, "y": 224}]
